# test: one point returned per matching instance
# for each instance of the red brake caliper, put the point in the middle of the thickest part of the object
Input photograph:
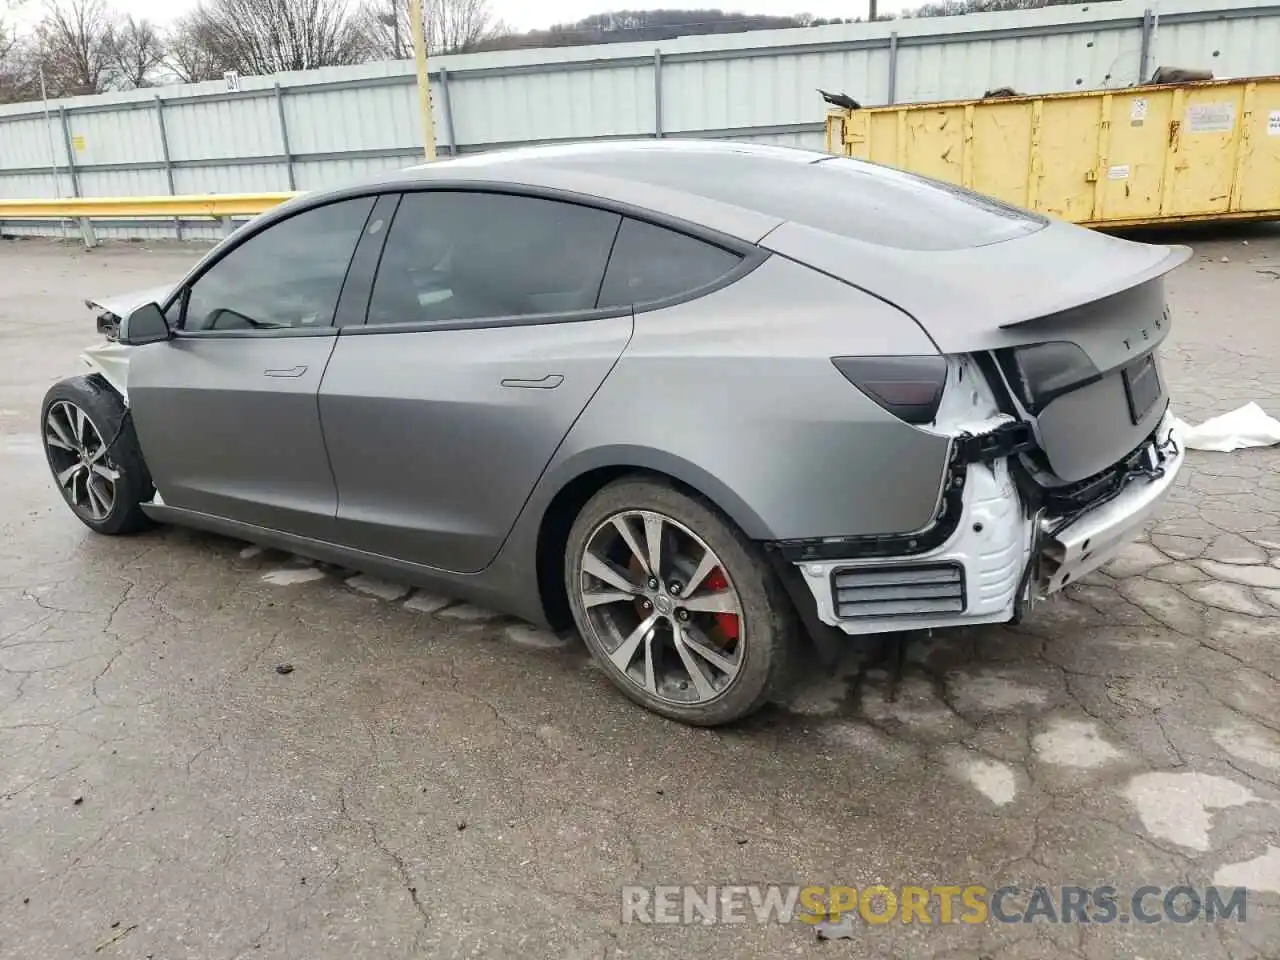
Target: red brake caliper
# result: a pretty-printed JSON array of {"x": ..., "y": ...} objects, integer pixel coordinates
[{"x": 728, "y": 622}]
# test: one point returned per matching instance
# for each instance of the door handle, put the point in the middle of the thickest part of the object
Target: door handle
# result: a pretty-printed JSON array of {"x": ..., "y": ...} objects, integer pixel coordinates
[
  {"x": 292, "y": 372},
  {"x": 549, "y": 382}
]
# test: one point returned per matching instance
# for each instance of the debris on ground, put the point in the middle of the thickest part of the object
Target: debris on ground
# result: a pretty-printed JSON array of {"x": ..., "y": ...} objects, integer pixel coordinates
[
  {"x": 119, "y": 934},
  {"x": 284, "y": 668},
  {"x": 1247, "y": 426},
  {"x": 842, "y": 929}
]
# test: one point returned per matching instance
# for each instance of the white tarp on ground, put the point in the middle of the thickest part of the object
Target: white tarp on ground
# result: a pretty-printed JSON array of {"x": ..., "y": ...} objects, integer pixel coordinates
[{"x": 1247, "y": 426}]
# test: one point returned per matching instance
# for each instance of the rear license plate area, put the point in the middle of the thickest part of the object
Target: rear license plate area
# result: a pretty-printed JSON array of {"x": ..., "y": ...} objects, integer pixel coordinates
[{"x": 1141, "y": 386}]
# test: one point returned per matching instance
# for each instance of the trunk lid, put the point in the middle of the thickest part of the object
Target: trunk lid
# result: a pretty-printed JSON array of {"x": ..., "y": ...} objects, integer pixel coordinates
[{"x": 1061, "y": 283}]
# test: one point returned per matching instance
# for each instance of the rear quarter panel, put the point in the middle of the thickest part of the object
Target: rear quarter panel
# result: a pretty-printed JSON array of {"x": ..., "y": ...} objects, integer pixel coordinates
[{"x": 735, "y": 394}]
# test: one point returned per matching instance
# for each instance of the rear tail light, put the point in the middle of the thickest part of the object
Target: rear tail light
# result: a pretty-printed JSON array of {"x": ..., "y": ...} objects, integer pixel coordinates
[
  {"x": 908, "y": 387},
  {"x": 1043, "y": 371}
]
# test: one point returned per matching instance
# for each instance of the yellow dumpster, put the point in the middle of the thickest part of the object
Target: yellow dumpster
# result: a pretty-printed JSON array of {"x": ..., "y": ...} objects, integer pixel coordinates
[{"x": 1142, "y": 155}]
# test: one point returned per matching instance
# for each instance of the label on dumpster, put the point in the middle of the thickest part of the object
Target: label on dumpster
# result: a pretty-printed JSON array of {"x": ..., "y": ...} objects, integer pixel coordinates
[
  {"x": 1273, "y": 123},
  {"x": 1211, "y": 117},
  {"x": 1118, "y": 173},
  {"x": 1138, "y": 112}
]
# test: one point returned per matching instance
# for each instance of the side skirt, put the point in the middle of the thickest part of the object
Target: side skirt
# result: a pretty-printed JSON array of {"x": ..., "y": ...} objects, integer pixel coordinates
[{"x": 482, "y": 589}]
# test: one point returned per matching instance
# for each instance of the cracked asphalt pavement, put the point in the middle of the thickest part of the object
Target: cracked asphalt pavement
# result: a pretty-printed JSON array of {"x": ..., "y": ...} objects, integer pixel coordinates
[{"x": 434, "y": 780}]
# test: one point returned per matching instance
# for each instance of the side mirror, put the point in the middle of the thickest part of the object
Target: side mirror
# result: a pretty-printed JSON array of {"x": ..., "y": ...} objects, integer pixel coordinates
[{"x": 145, "y": 325}]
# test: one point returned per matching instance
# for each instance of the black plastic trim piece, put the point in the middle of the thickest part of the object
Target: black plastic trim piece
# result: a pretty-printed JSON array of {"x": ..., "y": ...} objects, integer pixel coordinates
[
  {"x": 900, "y": 568},
  {"x": 483, "y": 323},
  {"x": 272, "y": 334},
  {"x": 1004, "y": 441},
  {"x": 829, "y": 642},
  {"x": 357, "y": 290}
]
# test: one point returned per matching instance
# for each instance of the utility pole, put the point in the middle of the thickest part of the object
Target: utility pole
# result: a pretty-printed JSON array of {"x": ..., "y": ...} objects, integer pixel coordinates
[
  {"x": 871, "y": 10},
  {"x": 424, "y": 84}
]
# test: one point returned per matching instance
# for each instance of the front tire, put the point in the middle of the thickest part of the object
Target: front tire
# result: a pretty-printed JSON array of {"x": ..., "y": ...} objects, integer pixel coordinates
[
  {"x": 679, "y": 609},
  {"x": 94, "y": 455}
]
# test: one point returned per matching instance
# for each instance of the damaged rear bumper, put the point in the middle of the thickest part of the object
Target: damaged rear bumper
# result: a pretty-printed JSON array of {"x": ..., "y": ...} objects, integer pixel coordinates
[
  {"x": 1074, "y": 545},
  {"x": 1003, "y": 551}
]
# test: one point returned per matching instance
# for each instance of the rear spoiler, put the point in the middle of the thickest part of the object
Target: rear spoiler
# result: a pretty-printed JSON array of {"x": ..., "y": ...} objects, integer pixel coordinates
[
  {"x": 1116, "y": 282},
  {"x": 970, "y": 299}
]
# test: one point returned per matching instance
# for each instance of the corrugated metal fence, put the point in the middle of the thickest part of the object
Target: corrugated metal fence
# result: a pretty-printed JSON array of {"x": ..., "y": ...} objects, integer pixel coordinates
[{"x": 324, "y": 127}]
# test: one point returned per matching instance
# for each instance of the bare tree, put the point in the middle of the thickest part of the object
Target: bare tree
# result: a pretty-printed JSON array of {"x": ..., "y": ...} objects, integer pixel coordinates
[
  {"x": 386, "y": 27},
  {"x": 451, "y": 26},
  {"x": 272, "y": 36},
  {"x": 951, "y": 8},
  {"x": 18, "y": 72},
  {"x": 456, "y": 26},
  {"x": 194, "y": 53},
  {"x": 137, "y": 52},
  {"x": 75, "y": 41},
  {"x": 9, "y": 45}
]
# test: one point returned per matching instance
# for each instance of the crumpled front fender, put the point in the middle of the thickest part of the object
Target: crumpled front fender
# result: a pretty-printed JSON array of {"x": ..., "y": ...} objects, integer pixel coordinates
[
  {"x": 110, "y": 360},
  {"x": 123, "y": 304}
]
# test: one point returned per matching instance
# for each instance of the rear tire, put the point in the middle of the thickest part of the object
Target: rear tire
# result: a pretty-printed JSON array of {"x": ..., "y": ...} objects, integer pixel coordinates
[
  {"x": 704, "y": 653},
  {"x": 94, "y": 455}
]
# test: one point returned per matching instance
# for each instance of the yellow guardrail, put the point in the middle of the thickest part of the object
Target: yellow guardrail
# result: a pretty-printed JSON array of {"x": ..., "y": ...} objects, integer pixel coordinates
[{"x": 211, "y": 205}]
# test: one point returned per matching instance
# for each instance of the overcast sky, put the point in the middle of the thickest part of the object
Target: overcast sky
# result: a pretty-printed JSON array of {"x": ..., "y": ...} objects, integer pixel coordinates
[{"x": 528, "y": 14}]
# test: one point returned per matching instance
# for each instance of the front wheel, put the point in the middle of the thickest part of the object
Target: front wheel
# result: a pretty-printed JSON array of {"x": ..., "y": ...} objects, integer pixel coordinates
[
  {"x": 94, "y": 455},
  {"x": 680, "y": 610}
]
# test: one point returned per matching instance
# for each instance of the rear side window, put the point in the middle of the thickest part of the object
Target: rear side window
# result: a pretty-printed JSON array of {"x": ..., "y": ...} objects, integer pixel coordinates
[
  {"x": 652, "y": 263},
  {"x": 457, "y": 255}
]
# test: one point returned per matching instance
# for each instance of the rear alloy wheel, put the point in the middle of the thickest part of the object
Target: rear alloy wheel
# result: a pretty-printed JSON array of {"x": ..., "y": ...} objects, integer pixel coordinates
[
  {"x": 677, "y": 607},
  {"x": 94, "y": 455}
]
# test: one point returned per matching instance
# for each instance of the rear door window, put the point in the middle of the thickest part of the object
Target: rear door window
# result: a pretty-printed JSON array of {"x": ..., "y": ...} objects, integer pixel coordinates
[
  {"x": 651, "y": 263},
  {"x": 458, "y": 255}
]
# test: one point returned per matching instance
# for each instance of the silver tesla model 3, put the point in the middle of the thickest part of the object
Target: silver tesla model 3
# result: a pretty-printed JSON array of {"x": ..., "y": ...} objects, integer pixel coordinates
[{"x": 720, "y": 406}]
